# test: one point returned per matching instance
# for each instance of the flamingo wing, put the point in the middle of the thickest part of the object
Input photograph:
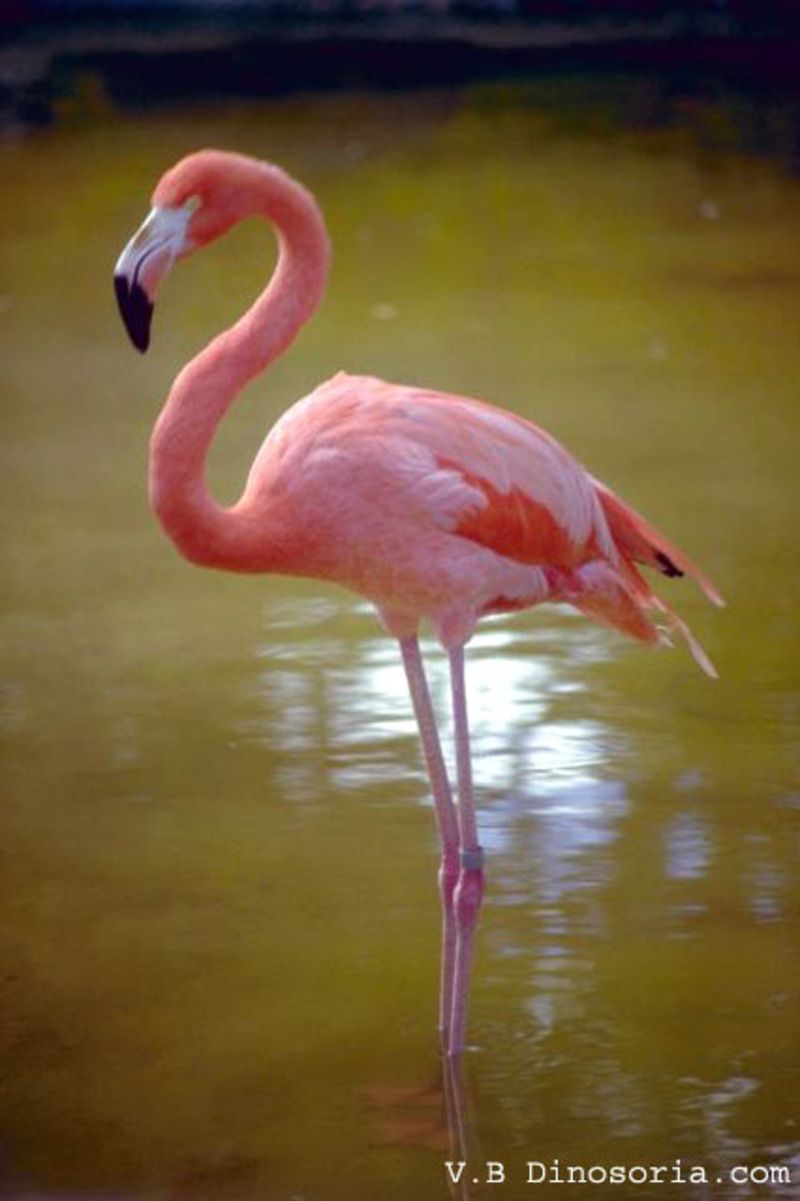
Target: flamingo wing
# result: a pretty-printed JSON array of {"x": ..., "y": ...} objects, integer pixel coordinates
[
  {"x": 641, "y": 542},
  {"x": 460, "y": 465},
  {"x": 525, "y": 497},
  {"x": 500, "y": 481}
]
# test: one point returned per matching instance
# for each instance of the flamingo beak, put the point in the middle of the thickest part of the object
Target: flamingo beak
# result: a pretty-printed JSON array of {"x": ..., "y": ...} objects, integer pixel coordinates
[{"x": 143, "y": 264}]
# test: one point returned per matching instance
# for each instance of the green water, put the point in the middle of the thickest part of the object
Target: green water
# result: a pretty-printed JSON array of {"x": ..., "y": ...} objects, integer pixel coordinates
[{"x": 219, "y": 930}]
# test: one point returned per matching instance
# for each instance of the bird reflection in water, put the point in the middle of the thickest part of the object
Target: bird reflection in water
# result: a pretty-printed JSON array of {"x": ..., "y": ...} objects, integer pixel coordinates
[{"x": 436, "y": 1117}]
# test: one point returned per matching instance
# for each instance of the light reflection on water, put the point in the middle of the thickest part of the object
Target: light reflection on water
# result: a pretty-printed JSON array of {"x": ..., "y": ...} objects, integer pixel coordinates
[
  {"x": 348, "y": 697},
  {"x": 687, "y": 849}
]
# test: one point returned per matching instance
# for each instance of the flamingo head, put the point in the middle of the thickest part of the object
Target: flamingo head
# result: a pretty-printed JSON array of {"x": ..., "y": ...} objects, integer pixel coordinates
[{"x": 196, "y": 201}]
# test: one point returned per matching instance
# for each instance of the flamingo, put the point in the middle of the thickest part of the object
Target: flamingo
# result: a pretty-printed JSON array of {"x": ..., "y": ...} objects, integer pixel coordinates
[{"x": 434, "y": 507}]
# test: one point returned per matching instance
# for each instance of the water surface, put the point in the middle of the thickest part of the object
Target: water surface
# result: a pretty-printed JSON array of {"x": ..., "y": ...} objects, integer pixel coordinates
[{"x": 220, "y": 926}]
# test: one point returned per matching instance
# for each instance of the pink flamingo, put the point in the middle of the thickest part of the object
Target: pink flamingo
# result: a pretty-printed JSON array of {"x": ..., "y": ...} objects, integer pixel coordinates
[{"x": 433, "y": 506}]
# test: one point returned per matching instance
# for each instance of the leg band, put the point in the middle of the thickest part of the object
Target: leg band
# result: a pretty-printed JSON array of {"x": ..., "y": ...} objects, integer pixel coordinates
[{"x": 471, "y": 859}]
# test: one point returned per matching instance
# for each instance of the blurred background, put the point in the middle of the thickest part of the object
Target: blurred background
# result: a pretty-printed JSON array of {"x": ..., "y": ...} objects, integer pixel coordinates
[{"x": 219, "y": 931}]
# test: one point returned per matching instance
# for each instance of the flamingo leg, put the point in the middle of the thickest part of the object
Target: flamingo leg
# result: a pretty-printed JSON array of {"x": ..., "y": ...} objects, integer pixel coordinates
[
  {"x": 468, "y": 894},
  {"x": 446, "y": 821}
]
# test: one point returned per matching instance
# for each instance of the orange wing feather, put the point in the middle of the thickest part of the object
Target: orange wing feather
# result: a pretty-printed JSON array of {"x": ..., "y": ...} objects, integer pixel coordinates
[
  {"x": 517, "y": 526},
  {"x": 641, "y": 542},
  {"x": 609, "y": 589}
]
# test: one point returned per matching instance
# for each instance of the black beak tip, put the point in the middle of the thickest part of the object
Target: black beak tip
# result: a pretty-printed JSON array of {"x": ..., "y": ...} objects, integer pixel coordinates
[{"x": 136, "y": 310}]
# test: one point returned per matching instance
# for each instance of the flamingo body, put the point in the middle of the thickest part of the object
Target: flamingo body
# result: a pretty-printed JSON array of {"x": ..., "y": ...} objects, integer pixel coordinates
[
  {"x": 433, "y": 506},
  {"x": 441, "y": 507}
]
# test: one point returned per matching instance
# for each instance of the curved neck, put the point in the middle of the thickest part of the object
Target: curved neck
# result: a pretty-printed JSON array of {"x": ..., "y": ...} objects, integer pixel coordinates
[{"x": 204, "y": 531}]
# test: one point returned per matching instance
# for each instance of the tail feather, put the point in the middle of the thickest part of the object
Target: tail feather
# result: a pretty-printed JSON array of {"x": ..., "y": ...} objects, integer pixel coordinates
[
  {"x": 621, "y": 599},
  {"x": 641, "y": 542},
  {"x": 616, "y": 593},
  {"x": 679, "y": 625}
]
